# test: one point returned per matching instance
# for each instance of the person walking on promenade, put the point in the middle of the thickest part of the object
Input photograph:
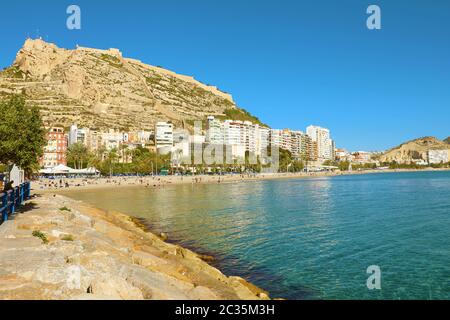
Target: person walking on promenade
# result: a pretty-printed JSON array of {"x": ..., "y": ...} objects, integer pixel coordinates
[{"x": 8, "y": 186}]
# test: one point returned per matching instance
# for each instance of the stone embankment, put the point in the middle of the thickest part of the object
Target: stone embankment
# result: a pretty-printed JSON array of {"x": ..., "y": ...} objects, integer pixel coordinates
[{"x": 59, "y": 248}]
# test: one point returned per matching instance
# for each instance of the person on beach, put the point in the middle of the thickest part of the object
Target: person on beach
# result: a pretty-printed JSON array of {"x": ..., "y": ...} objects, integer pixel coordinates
[{"x": 8, "y": 186}]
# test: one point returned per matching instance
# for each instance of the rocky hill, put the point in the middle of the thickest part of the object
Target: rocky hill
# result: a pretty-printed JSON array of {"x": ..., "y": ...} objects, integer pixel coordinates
[
  {"x": 447, "y": 140},
  {"x": 414, "y": 150},
  {"x": 102, "y": 89}
]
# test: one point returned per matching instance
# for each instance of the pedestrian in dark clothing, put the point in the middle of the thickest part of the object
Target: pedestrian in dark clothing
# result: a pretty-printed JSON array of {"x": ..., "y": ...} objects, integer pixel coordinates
[{"x": 8, "y": 186}]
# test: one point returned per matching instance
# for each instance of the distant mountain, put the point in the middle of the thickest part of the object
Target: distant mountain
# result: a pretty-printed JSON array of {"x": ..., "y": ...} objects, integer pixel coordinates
[
  {"x": 101, "y": 89},
  {"x": 414, "y": 150}
]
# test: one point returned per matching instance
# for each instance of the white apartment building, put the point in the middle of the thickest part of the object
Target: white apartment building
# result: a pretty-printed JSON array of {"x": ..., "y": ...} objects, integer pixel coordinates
[
  {"x": 77, "y": 135},
  {"x": 276, "y": 137},
  {"x": 286, "y": 140},
  {"x": 214, "y": 133},
  {"x": 299, "y": 147},
  {"x": 325, "y": 145},
  {"x": 361, "y": 157},
  {"x": 343, "y": 155},
  {"x": 256, "y": 138},
  {"x": 438, "y": 156},
  {"x": 164, "y": 137},
  {"x": 112, "y": 139},
  {"x": 264, "y": 136},
  {"x": 252, "y": 137},
  {"x": 233, "y": 132},
  {"x": 144, "y": 137},
  {"x": 73, "y": 134}
]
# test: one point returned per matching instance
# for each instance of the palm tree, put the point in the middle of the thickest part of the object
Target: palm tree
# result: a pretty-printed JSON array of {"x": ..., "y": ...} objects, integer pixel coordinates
[
  {"x": 77, "y": 154},
  {"x": 123, "y": 148},
  {"x": 111, "y": 159}
]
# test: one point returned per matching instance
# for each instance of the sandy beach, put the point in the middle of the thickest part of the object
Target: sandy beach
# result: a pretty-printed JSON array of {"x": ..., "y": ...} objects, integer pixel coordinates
[{"x": 69, "y": 184}]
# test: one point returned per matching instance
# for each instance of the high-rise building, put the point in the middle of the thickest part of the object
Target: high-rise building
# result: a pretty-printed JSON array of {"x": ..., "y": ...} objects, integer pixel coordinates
[
  {"x": 286, "y": 140},
  {"x": 214, "y": 133},
  {"x": 93, "y": 140},
  {"x": 233, "y": 132},
  {"x": 73, "y": 134},
  {"x": 298, "y": 144},
  {"x": 164, "y": 137},
  {"x": 264, "y": 136},
  {"x": 78, "y": 135},
  {"x": 325, "y": 145},
  {"x": 55, "y": 152},
  {"x": 313, "y": 154},
  {"x": 276, "y": 137}
]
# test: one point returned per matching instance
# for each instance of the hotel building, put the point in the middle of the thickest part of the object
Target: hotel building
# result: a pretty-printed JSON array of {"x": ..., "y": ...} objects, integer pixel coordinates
[
  {"x": 325, "y": 145},
  {"x": 55, "y": 152},
  {"x": 164, "y": 137},
  {"x": 242, "y": 136}
]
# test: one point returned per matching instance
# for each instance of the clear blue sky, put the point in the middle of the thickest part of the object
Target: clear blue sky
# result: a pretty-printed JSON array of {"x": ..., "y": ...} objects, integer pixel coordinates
[{"x": 291, "y": 63}]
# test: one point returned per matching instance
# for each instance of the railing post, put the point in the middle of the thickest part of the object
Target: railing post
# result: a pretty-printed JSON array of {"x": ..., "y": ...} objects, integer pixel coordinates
[
  {"x": 12, "y": 202},
  {"x": 27, "y": 190},
  {"x": 17, "y": 198},
  {"x": 21, "y": 193},
  {"x": 13, "y": 199},
  {"x": 4, "y": 201}
]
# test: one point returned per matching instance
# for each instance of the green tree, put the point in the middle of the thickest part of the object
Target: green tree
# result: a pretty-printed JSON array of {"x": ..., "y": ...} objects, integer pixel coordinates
[
  {"x": 112, "y": 157},
  {"x": 78, "y": 155},
  {"x": 22, "y": 134},
  {"x": 285, "y": 160}
]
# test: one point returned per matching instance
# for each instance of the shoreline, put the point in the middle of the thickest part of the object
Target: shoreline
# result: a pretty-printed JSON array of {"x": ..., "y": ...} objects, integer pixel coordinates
[
  {"x": 163, "y": 181},
  {"x": 114, "y": 255}
]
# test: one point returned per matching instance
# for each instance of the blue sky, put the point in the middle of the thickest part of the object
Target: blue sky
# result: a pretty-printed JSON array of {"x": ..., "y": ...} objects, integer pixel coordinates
[{"x": 291, "y": 63}]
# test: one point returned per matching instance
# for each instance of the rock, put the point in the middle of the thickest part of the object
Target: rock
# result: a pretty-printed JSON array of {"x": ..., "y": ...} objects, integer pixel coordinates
[
  {"x": 58, "y": 234},
  {"x": 203, "y": 293},
  {"x": 116, "y": 288},
  {"x": 158, "y": 286},
  {"x": 88, "y": 296},
  {"x": 206, "y": 258},
  {"x": 164, "y": 236},
  {"x": 109, "y": 259},
  {"x": 263, "y": 296},
  {"x": 146, "y": 259}
]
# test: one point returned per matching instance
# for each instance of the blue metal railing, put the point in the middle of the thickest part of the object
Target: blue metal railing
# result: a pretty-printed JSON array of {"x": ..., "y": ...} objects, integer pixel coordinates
[{"x": 11, "y": 200}]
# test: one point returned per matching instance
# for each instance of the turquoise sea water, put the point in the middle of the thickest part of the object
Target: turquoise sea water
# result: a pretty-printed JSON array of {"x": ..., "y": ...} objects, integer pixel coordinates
[{"x": 310, "y": 238}]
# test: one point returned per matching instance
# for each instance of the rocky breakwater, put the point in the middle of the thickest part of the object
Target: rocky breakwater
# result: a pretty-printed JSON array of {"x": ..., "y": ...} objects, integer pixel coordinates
[{"x": 59, "y": 248}]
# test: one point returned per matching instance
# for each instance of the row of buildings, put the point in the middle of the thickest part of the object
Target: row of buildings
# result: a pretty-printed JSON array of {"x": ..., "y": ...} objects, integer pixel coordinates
[
  {"x": 360, "y": 157},
  {"x": 242, "y": 137},
  {"x": 58, "y": 142},
  {"x": 245, "y": 137},
  {"x": 428, "y": 157}
]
